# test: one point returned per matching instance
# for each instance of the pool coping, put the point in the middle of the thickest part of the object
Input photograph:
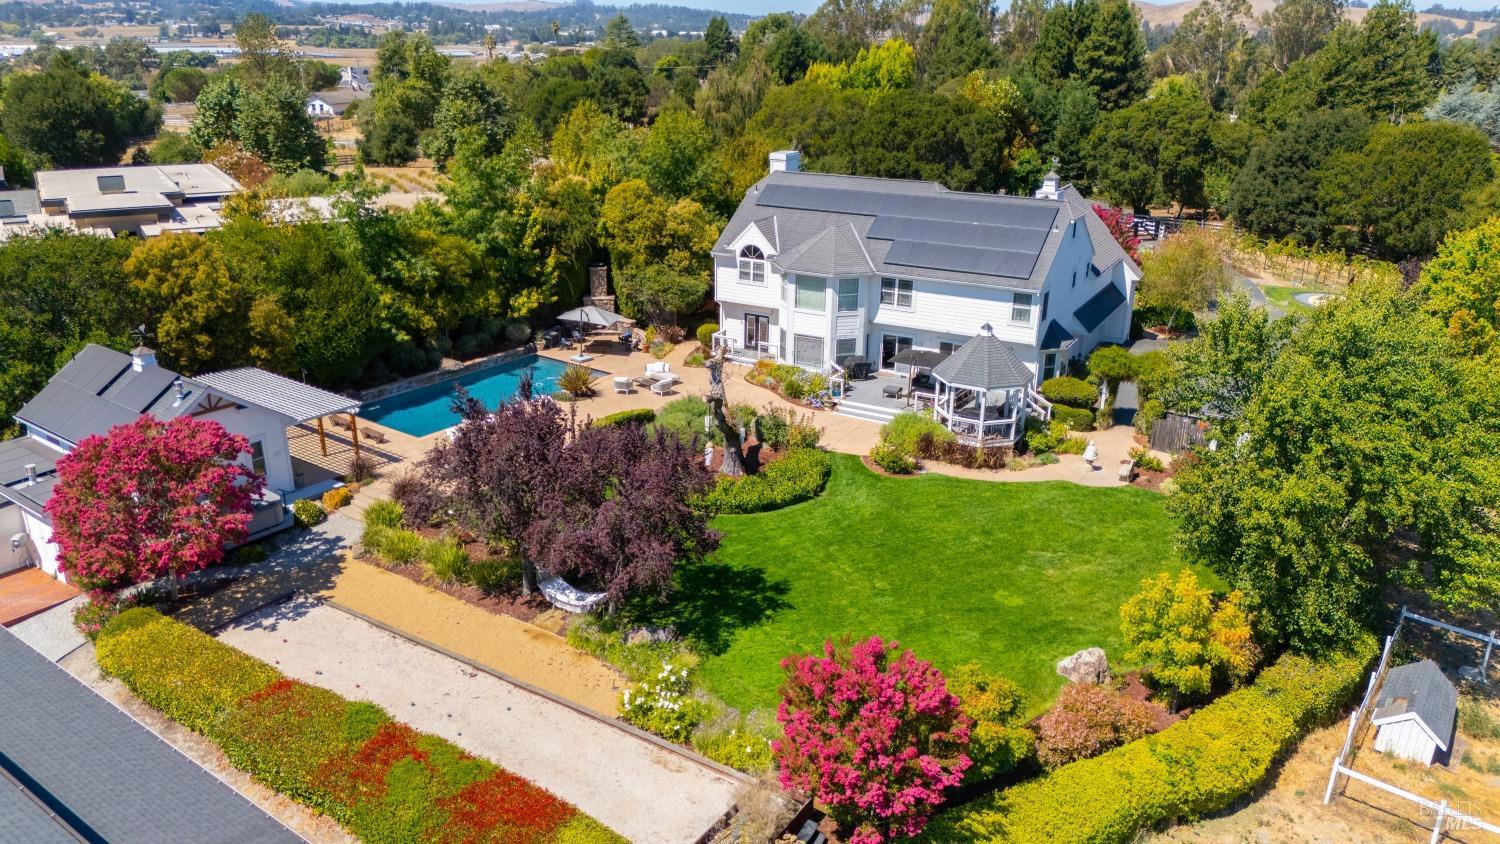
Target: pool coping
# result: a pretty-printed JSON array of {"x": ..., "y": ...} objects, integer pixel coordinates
[{"x": 427, "y": 379}]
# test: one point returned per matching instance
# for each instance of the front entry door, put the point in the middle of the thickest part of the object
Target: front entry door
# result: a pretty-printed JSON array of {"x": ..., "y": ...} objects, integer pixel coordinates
[
  {"x": 757, "y": 333},
  {"x": 890, "y": 346}
]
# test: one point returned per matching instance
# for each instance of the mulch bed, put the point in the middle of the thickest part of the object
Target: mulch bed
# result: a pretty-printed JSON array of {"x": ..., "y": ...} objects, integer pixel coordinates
[{"x": 1149, "y": 480}]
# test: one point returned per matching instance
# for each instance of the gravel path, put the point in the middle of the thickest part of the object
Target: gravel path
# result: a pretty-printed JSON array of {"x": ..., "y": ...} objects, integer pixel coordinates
[{"x": 636, "y": 788}]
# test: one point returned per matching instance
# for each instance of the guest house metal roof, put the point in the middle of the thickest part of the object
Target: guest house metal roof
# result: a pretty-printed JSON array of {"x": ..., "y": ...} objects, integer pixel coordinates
[
  {"x": 99, "y": 389},
  {"x": 292, "y": 399}
]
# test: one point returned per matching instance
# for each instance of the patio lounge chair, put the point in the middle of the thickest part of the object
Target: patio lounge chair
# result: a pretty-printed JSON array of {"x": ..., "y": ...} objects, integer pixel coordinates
[
  {"x": 891, "y": 391},
  {"x": 663, "y": 386},
  {"x": 622, "y": 384},
  {"x": 658, "y": 369},
  {"x": 562, "y": 595}
]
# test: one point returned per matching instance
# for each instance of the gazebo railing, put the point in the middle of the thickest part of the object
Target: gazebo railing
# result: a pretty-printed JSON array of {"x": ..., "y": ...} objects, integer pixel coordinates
[{"x": 989, "y": 432}]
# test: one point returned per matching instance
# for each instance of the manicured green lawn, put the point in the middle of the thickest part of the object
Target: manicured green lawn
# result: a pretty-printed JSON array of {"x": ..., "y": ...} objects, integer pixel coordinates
[
  {"x": 1014, "y": 576},
  {"x": 1285, "y": 297}
]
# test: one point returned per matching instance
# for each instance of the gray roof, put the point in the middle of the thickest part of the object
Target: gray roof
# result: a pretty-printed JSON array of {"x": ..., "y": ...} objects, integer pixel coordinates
[
  {"x": 904, "y": 228},
  {"x": 339, "y": 99},
  {"x": 98, "y": 390},
  {"x": 1420, "y": 688},
  {"x": 141, "y": 188},
  {"x": 1055, "y": 336},
  {"x": 16, "y": 204},
  {"x": 277, "y": 393},
  {"x": 1099, "y": 306},
  {"x": 834, "y": 251},
  {"x": 15, "y": 484},
  {"x": 100, "y": 772},
  {"x": 1107, "y": 250},
  {"x": 983, "y": 363}
]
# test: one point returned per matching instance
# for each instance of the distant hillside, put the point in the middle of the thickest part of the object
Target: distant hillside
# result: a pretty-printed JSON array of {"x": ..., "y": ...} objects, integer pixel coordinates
[{"x": 1171, "y": 14}]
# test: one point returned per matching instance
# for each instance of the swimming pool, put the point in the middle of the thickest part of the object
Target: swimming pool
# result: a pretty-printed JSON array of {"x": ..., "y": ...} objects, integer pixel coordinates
[{"x": 429, "y": 409}]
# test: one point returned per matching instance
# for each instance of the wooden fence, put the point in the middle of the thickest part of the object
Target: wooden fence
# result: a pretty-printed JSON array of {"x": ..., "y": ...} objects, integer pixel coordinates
[{"x": 1176, "y": 432}]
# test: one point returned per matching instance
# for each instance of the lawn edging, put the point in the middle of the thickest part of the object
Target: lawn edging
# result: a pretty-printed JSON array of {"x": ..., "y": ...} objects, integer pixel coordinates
[
  {"x": 379, "y": 778},
  {"x": 1197, "y": 766}
]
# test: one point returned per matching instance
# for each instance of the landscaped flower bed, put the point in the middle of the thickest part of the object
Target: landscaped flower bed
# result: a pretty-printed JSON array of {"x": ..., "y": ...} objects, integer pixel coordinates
[{"x": 381, "y": 779}]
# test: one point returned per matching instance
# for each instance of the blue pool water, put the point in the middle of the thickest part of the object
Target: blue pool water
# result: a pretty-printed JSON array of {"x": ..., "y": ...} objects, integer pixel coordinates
[{"x": 429, "y": 409}]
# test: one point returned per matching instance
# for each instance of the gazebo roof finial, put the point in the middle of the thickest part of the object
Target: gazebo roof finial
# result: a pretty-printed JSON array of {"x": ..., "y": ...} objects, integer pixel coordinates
[{"x": 987, "y": 330}]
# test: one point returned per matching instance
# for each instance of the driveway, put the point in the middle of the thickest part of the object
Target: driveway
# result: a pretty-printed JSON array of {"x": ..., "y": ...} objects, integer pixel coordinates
[{"x": 637, "y": 788}]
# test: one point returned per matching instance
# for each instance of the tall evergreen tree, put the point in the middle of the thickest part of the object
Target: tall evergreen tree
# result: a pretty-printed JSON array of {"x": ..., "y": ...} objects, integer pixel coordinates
[
  {"x": 719, "y": 46},
  {"x": 955, "y": 40},
  {"x": 1111, "y": 58}
]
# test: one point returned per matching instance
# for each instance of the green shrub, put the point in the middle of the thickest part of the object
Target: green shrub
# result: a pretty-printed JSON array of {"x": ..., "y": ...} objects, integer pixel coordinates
[
  {"x": 1146, "y": 461},
  {"x": 1044, "y": 437},
  {"x": 803, "y": 435},
  {"x": 1071, "y": 445},
  {"x": 798, "y": 476},
  {"x": 1151, "y": 410},
  {"x": 1154, "y": 370},
  {"x": 1113, "y": 364},
  {"x": 893, "y": 459},
  {"x": 1476, "y": 721},
  {"x": 384, "y": 514},
  {"x": 637, "y": 416},
  {"x": 380, "y": 779},
  {"x": 1065, "y": 389},
  {"x": 664, "y": 704},
  {"x": 446, "y": 560},
  {"x": 244, "y": 555},
  {"x": 393, "y": 545},
  {"x": 684, "y": 417},
  {"x": 495, "y": 574},
  {"x": 742, "y": 743},
  {"x": 693, "y": 359},
  {"x": 705, "y": 334},
  {"x": 1163, "y": 316},
  {"x": 577, "y": 381},
  {"x": 187, "y": 674},
  {"x": 796, "y": 388},
  {"x": 774, "y": 427},
  {"x": 781, "y": 373},
  {"x": 906, "y": 430},
  {"x": 1073, "y": 418},
  {"x": 1199, "y": 765},
  {"x": 999, "y": 739},
  {"x": 638, "y": 662},
  {"x": 307, "y": 512}
]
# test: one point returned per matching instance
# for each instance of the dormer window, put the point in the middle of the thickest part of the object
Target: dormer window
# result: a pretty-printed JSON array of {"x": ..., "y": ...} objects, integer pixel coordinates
[{"x": 752, "y": 265}]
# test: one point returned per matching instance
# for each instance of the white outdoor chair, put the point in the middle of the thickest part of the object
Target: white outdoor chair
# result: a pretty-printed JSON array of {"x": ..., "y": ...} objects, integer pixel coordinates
[
  {"x": 658, "y": 368},
  {"x": 622, "y": 384},
  {"x": 663, "y": 386}
]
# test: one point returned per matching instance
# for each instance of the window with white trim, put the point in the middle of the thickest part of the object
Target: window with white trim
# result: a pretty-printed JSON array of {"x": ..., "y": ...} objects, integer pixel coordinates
[
  {"x": 843, "y": 347},
  {"x": 810, "y": 294},
  {"x": 807, "y": 350},
  {"x": 1020, "y": 307},
  {"x": 1045, "y": 296},
  {"x": 848, "y": 295},
  {"x": 258, "y": 458},
  {"x": 896, "y": 291},
  {"x": 752, "y": 263}
]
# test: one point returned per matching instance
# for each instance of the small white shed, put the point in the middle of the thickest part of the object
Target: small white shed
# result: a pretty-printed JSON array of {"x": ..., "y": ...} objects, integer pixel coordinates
[{"x": 1415, "y": 712}]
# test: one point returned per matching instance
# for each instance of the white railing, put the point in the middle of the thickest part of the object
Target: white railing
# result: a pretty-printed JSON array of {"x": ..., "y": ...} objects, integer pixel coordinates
[
  {"x": 740, "y": 351},
  {"x": 1038, "y": 404}
]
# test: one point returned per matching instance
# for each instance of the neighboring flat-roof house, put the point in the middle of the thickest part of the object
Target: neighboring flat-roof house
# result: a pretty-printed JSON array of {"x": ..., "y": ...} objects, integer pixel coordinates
[
  {"x": 144, "y": 200},
  {"x": 814, "y": 268},
  {"x": 101, "y": 388},
  {"x": 1416, "y": 712},
  {"x": 77, "y": 768}
]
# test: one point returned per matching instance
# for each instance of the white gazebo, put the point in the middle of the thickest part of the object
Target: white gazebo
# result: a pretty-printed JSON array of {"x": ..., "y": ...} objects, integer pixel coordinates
[{"x": 984, "y": 392}]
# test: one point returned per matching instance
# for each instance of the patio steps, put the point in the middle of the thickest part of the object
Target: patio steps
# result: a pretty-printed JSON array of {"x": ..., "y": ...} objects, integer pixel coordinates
[{"x": 870, "y": 412}]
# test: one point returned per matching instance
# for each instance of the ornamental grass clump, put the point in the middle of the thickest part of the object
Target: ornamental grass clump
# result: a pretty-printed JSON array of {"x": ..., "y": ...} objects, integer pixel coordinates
[{"x": 873, "y": 733}]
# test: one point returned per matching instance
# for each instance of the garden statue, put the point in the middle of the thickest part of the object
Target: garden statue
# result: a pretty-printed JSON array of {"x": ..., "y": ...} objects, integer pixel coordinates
[{"x": 734, "y": 461}]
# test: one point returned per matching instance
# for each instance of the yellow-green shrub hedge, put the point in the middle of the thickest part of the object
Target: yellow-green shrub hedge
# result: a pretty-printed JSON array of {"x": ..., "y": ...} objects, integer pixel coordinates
[
  {"x": 1198, "y": 765},
  {"x": 184, "y": 673}
]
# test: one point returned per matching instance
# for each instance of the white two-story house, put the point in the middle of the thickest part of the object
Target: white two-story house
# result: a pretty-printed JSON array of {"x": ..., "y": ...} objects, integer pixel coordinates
[{"x": 814, "y": 268}]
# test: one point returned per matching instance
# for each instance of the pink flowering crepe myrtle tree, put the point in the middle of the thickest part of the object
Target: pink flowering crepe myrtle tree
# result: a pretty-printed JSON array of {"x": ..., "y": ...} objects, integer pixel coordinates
[
  {"x": 151, "y": 499},
  {"x": 874, "y": 733},
  {"x": 1119, "y": 223}
]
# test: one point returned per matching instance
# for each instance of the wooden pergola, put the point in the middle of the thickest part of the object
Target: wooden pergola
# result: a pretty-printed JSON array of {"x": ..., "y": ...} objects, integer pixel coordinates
[{"x": 298, "y": 402}]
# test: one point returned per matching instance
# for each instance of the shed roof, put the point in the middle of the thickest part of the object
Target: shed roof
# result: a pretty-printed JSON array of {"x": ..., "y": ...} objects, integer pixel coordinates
[
  {"x": 16, "y": 485},
  {"x": 292, "y": 399},
  {"x": 89, "y": 766},
  {"x": 1099, "y": 306},
  {"x": 1419, "y": 688},
  {"x": 983, "y": 363},
  {"x": 1055, "y": 336}
]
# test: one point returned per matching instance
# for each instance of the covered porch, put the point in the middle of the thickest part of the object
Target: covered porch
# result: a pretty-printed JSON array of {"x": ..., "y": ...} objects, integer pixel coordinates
[{"x": 983, "y": 393}]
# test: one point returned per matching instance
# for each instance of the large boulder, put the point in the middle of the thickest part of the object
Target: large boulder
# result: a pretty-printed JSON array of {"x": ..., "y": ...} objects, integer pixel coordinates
[
  {"x": 649, "y": 635},
  {"x": 1089, "y": 665}
]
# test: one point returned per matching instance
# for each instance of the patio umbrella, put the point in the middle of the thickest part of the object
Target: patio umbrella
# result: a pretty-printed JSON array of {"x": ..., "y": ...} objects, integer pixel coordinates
[
  {"x": 914, "y": 358},
  {"x": 590, "y": 315}
]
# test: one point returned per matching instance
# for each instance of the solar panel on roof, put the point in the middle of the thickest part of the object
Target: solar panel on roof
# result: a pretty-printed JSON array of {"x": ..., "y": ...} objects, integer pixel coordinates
[
  {"x": 996, "y": 211},
  {"x": 810, "y": 198},
  {"x": 139, "y": 390},
  {"x": 964, "y": 259},
  {"x": 92, "y": 368},
  {"x": 980, "y": 235}
]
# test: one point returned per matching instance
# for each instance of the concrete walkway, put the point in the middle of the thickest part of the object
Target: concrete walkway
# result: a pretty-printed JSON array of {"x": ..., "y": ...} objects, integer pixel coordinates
[{"x": 637, "y": 788}]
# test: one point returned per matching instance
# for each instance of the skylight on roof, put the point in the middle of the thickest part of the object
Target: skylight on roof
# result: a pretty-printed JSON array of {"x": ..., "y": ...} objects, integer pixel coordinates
[
  {"x": 7, "y": 208},
  {"x": 111, "y": 184}
]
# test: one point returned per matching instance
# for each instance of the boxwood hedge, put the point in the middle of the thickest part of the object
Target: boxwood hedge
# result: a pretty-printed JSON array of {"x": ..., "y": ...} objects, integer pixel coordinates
[
  {"x": 1199, "y": 765},
  {"x": 637, "y": 416},
  {"x": 1065, "y": 389},
  {"x": 798, "y": 476},
  {"x": 382, "y": 780}
]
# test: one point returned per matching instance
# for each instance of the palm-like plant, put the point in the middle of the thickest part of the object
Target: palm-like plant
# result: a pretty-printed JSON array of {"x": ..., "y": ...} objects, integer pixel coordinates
[{"x": 577, "y": 381}]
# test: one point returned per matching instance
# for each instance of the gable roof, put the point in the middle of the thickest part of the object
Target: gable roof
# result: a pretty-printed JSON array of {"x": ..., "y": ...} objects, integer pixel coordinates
[
  {"x": 983, "y": 363},
  {"x": 91, "y": 772},
  {"x": 907, "y": 227},
  {"x": 1107, "y": 250},
  {"x": 99, "y": 389},
  {"x": 1419, "y": 689},
  {"x": 1056, "y": 337}
]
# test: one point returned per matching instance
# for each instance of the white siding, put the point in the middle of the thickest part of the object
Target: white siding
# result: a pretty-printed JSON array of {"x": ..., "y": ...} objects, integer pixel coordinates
[
  {"x": 958, "y": 310},
  {"x": 729, "y": 288},
  {"x": 40, "y": 533},
  {"x": 257, "y": 424},
  {"x": 11, "y": 523},
  {"x": 1406, "y": 739}
]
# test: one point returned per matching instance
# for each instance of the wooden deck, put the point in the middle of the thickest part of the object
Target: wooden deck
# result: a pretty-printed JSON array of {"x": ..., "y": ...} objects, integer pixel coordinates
[{"x": 27, "y": 592}]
